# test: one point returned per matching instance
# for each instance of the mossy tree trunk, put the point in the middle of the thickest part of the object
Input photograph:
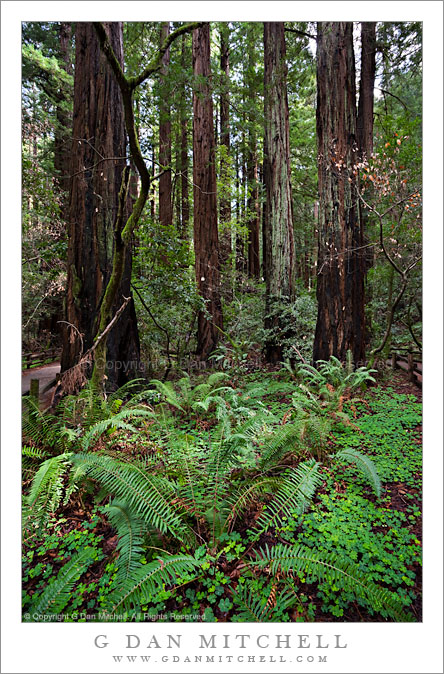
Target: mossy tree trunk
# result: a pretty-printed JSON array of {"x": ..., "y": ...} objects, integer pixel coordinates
[
  {"x": 341, "y": 262},
  {"x": 98, "y": 159},
  {"x": 278, "y": 221},
  {"x": 206, "y": 241}
]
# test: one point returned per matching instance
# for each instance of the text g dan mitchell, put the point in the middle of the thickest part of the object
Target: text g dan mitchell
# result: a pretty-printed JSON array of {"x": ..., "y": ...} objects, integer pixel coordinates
[{"x": 226, "y": 641}]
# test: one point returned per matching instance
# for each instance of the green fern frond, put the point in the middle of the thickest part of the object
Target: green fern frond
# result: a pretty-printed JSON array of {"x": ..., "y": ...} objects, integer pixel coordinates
[
  {"x": 284, "y": 559},
  {"x": 293, "y": 497},
  {"x": 149, "y": 579},
  {"x": 130, "y": 530},
  {"x": 242, "y": 498},
  {"x": 166, "y": 389},
  {"x": 254, "y": 608},
  {"x": 286, "y": 439},
  {"x": 33, "y": 452},
  {"x": 217, "y": 378},
  {"x": 47, "y": 488},
  {"x": 58, "y": 593},
  {"x": 149, "y": 496},
  {"x": 116, "y": 422},
  {"x": 365, "y": 465}
]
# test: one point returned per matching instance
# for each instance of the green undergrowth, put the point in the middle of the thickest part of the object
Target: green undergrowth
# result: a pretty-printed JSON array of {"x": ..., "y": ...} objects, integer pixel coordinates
[{"x": 272, "y": 497}]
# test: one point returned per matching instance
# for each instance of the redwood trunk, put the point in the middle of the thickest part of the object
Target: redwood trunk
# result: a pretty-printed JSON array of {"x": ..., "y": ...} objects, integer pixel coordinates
[
  {"x": 278, "y": 221},
  {"x": 62, "y": 133},
  {"x": 184, "y": 161},
  {"x": 165, "y": 201},
  {"x": 98, "y": 131},
  {"x": 206, "y": 243},
  {"x": 364, "y": 126},
  {"x": 341, "y": 268},
  {"x": 225, "y": 200}
]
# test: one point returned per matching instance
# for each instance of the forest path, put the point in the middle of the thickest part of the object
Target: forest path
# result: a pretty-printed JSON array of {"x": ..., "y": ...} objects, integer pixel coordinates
[{"x": 45, "y": 374}]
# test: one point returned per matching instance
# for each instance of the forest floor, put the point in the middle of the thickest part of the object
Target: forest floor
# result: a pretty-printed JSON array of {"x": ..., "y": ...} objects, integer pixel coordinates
[{"x": 382, "y": 535}]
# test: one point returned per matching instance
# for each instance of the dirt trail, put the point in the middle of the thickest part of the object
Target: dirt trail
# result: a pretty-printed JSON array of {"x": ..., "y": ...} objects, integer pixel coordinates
[{"x": 45, "y": 374}]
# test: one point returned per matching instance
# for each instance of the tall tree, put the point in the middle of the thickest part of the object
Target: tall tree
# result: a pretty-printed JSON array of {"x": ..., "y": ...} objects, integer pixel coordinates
[
  {"x": 184, "y": 161},
  {"x": 364, "y": 124},
  {"x": 206, "y": 242},
  {"x": 98, "y": 159},
  {"x": 278, "y": 222},
  {"x": 253, "y": 206},
  {"x": 341, "y": 267},
  {"x": 165, "y": 200},
  {"x": 62, "y": 134},
  {"x": 224, "y": 169}
]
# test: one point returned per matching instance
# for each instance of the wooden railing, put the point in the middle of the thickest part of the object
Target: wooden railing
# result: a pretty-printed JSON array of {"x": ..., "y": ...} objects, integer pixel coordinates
[
  {"x": 30, "y": 359},
  {"x": 410, "y": 362}
]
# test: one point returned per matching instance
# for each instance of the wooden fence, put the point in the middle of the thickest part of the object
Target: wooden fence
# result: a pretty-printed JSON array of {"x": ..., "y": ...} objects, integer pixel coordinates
[
  {"x": 41, "y": 358},
  {"x": 410, "y": 362}
]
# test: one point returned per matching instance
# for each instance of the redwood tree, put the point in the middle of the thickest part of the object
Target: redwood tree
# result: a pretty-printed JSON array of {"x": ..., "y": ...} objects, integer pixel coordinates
[
  {"x": 341, "y": 267},
  {"x": 206, "y": 243},
  {"x": 225, "y": 200},
  {"x": 364, "y": 123},
  {"x": 165, "y": 201},
  {"x": 278, "y": 222},
  {"x": 98, "y": 159}
]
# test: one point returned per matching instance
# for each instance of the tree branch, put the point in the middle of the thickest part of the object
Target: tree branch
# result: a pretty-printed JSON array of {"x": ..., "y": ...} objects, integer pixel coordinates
[{"x": 156, "y": 62}]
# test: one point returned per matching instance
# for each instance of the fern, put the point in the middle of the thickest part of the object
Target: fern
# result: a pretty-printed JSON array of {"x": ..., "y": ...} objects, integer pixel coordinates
[
  {"x": 31, "y": 457},
  {"x": 286, "y": 439},
  {"x": 116, "y": 422},
  {"x": 255, "y": 608},
  {"x": 287, "y": 560},
  {"x": 149, "y": 496},
  {"x": 293, "y": 496},
  {"x": 365, "y": 465},
  {"x": 130, "y": 530},
  {"x": 58, "y": 593},
  {"x": 149, "y": 579},
  {"x": 47, "y": 488}
]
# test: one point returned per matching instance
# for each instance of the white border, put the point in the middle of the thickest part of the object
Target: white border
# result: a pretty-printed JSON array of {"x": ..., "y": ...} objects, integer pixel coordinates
[{"x": 371, "y": 647}]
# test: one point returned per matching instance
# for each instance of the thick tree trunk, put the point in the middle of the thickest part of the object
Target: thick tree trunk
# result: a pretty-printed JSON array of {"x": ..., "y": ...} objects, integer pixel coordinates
[
  {"x": 364, "y": 128},
  {"x": 253, "y": 206},
  {"x": 62, "y": 133},
  {"x": 341, "y": 267},
  {"x": 225, "y": 200},
  {"x": 364, "y": 122},
  {"x": 184, "y": 161},
  {"x": 165, "y": 201},
  {"x": 206, "y": 243},
  {"x": 98, "y": 159},
  {"x": 278, "y": 222}
]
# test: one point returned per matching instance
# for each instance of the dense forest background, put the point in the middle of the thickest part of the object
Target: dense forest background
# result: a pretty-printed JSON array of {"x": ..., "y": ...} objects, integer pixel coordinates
[
  {"x": 222, "y": 245},
  {"x": 243, "y": 188}
]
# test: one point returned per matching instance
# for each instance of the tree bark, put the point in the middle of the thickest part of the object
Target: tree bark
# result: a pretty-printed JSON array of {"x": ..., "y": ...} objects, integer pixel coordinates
[
  {"x": 225, "y": 200},
  {"x": 253, "y": 207},
  {"x": 206, "y": 242},
  {"x": 62, "y": 133},
  {"x": 165, "y": 201},
  {"x": 364, "y": 123},
  {"x": 278, "y": 221},
  {"x": 184, "y": 161},
  {"x": 341, "y": 262},
  {"x": 98, "y": 159}
]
